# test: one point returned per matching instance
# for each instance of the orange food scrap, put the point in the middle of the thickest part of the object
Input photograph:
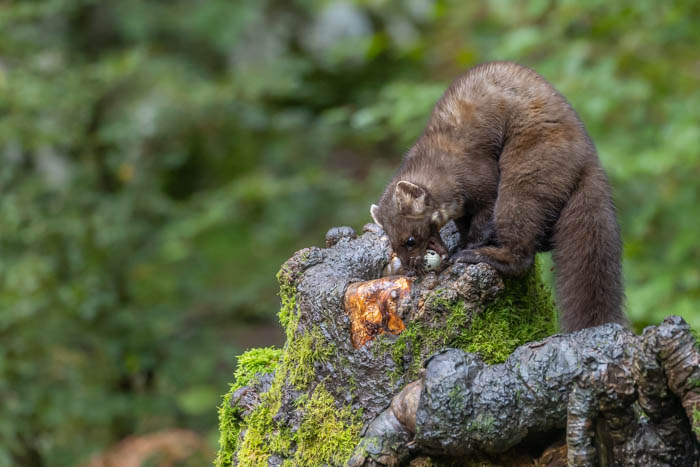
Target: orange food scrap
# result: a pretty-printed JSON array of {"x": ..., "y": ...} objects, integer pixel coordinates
[{"x": 373, "y": 307}]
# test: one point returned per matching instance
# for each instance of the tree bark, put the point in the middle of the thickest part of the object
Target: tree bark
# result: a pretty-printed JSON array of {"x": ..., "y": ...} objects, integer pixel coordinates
[
  {"x": 621, "y": 399},
  {"x": 405, "y": 371}
]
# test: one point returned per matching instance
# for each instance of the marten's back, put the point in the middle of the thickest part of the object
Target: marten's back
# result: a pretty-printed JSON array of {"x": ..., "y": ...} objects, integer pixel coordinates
[{"x": 494, "y": 102}]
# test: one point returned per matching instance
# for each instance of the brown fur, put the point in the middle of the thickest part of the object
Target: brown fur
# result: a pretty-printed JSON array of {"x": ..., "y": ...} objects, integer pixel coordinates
[{"x": 507, "y": 158}]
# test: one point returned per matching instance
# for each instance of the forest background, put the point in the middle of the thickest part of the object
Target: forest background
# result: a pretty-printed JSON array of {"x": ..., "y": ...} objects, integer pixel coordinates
[{"x": 161, "y": 159}]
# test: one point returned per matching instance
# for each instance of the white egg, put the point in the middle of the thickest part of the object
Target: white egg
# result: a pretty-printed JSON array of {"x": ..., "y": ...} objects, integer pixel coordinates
[{"x": 432, "y": 260}]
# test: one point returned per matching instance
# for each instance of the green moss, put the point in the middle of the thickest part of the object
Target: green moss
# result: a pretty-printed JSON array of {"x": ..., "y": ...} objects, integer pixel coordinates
[
  {"x": 696, "y": 421},
  {"x": 254, "y": 361},
  {"x": 229, "y": 429},
  {"x": 411, "y": 343},
  {"x": 303, "y": 353},
  {"x": 327, "y": 433},
  {"x": 523, "y": 312},
  {"x": 263, "y": 436},
  {"x": 250, "y": 364},
  {"x": 288, "y": 297}
]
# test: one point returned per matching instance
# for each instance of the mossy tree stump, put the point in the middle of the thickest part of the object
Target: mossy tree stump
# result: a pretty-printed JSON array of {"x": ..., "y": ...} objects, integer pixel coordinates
[{"x": 307, "y": 403}]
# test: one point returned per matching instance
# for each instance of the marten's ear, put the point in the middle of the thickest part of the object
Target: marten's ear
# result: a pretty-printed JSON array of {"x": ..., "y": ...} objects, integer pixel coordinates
[
  {"x": 410, "y": 198},
  {"x": 374, "y": 211}
]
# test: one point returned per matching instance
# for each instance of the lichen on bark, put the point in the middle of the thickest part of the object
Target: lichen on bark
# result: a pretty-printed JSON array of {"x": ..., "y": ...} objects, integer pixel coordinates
[{"x": 307, "y": 403}]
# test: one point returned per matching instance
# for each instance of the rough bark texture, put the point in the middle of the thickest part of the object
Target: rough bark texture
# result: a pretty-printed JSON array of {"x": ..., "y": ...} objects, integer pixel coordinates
[
  {"x": 621, "y": 399},
  {"x": 342, "y": 365},
  {"x": 307, "y": 403}
]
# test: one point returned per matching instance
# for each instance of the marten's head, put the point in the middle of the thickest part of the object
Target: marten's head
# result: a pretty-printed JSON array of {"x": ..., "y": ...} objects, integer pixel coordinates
[{"x": 412, "y": 220}]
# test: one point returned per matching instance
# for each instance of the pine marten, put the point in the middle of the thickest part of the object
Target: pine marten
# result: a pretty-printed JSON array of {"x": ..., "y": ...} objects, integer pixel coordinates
[{"x": 506, "y": 157}]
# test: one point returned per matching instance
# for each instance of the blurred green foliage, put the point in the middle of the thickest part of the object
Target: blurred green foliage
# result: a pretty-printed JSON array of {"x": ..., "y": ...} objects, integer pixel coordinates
[{"x": 160, "y": 160}]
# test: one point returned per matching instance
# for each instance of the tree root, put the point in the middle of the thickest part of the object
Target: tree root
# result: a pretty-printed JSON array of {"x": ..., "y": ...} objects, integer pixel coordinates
[{"x": 621, "y": 399}]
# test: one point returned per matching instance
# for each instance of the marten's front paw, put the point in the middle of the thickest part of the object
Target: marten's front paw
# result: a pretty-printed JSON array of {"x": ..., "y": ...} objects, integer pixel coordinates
[{"x": 467, "y": 256}]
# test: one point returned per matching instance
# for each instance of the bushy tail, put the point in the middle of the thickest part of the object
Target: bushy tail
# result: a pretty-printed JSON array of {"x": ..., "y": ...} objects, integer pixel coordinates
[{"x": 587, "y": 257}]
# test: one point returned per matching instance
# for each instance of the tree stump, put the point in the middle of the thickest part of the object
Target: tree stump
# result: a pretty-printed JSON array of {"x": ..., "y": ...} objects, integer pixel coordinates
[{"x": 356, "y": 338}]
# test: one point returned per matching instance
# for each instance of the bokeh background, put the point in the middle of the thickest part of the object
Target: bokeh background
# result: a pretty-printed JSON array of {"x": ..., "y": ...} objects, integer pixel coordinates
[{"x": 159, "y": 160}]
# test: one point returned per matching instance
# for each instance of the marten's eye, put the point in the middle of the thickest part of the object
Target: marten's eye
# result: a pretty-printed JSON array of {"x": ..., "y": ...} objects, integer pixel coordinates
[{"x": 411, "y": 242}]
